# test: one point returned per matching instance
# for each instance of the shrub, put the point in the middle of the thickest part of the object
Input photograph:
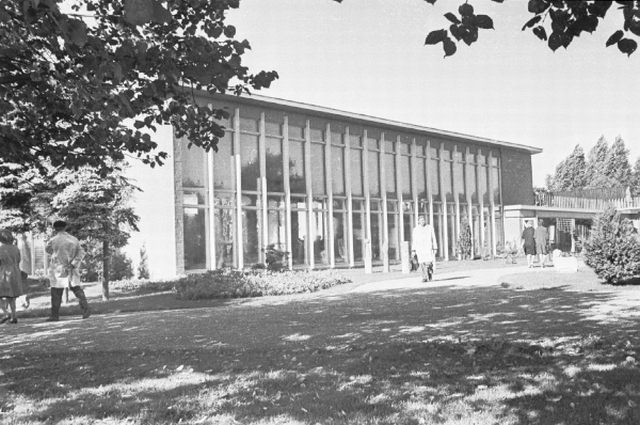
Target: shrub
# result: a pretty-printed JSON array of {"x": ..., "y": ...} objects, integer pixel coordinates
[
  {"x": 91, "y": 268},
  {"x": 231, "y": 283},
  {"x": 613, "y": 248},
  {"x": 143, "y": 267},
  {"x": 136, "y": 285}
]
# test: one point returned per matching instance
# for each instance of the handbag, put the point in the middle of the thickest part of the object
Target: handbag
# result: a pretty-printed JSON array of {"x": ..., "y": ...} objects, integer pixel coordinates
[{"x": 415, "y": 264}]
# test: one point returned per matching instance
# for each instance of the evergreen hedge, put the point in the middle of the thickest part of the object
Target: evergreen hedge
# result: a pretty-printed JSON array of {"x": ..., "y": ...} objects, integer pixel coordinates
[{"x": 613, "y": 247}]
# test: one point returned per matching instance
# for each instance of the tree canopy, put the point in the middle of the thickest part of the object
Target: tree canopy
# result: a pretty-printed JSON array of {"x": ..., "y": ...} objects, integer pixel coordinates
[
  {"x": 605, "y": 167},
  {"x": 70, "y": 80},
  {"x": 555, "y": 22}
]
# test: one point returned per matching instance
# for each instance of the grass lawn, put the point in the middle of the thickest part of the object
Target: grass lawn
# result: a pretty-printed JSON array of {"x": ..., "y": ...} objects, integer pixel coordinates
[{"x": 538, "y": 349}]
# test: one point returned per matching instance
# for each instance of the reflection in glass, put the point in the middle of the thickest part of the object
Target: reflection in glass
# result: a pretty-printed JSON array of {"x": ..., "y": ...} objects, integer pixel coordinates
[
  {"x": 298, "y": 231},
  {"x": 223, "y": 176},
  {"x": 359, "y": 233},
  {"x": 318, "y": 175},
  {"x": 296, "y": 167},
  {"x": 374, "y": 173},
  {"x": 320, "y": 224},
  {"x": 193, "y": 165},
  {"x": 225, "y": 231},
  {"x": 275, "y": 178},
  {"x": 251, "y": 236},
  {"x": 195, "y": 239},
  {"x": 356, "y": 172},
  {"x": 390, "y": 175},
  {"x": 250, "y": 164},
  {"x": 337, "y": 170}
]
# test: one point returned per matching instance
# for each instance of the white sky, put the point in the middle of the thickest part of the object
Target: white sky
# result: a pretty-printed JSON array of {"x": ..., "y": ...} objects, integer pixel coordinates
[{"x": 368, "y": 56}]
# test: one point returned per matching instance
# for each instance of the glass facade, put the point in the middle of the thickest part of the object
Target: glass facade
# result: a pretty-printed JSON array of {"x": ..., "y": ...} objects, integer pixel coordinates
[{"x": 328, "y": 192}]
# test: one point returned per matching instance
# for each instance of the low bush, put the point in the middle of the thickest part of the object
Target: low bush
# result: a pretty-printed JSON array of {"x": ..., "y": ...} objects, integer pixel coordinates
[
  {"x": 231, "y": 283},
  {"x": 142, "y": 285},
  {"x": 613, "y": 248}
]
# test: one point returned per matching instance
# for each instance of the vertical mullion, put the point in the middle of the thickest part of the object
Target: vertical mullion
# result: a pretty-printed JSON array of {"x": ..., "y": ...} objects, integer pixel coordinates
[
  {"x": 492, "y": 204},
  {"x": 468, "y": 164},
  {"x": 443, "y": 208},
  {"x": 414, "y": 177},
  {"x": 239, "y": 257},
  {"x": 347, "y": 182},
  {"x": 400, "y": 203},
  {"x": 367, "y": 194},
  {"x": 287, "y": 189},
  {"x": 329, "y": 249},
  {"x": 429, "y": 182},
  {"x": 310, "y": 229},
  {"x": 480, "y": 204},
  {"x": 211, "y": 258},
  {"x": 385, "y": 218},
  {"x": 262, "y": 158},
  {"x": 456, "y": 199}
]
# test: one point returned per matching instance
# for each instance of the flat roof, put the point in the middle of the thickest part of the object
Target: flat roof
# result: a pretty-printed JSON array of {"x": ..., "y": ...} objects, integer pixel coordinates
[{"x": 362, "y": 118}]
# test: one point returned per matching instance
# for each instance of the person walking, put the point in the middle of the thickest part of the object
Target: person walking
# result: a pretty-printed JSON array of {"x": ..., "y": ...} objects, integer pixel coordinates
[
  {"x": 66, "y": 256},
  {"x": 425, "y": 247},
  {"x": 10, "y": 276},
  {"x": 542, "y": 240},
  {"x": 528, "y": 243}
]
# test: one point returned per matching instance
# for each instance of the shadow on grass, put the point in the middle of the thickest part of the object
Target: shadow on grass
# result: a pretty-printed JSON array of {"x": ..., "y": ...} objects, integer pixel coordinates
[{"x": 407, "y": 356}]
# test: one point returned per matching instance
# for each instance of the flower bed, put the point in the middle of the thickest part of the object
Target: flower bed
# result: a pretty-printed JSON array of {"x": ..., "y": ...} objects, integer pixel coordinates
[{"x": 230, "y": 283}]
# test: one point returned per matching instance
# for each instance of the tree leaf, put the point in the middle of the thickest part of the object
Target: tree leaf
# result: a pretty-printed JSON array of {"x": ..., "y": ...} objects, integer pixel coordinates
[
  {"x": 599, "y": 8},
  {"x": 555, "y": 41},
  {"x": 453, "y": 18},
  {"x": 449, "y": 47},
  {"x": 634, "y": 27},
  {"x": 540, "y": 32},
  {"x": 429, "y": 1},
  {"x": 435, "y": 37},
  {"x": 531, "y": 22},
  {"x": 615, "y": 37},
  {"x": 465, "y": 9},
  {"x": 627, "y": 46},
  {"x": 139, "y": 12},
  {"x": 484, "y": 22},
  {"x": 538, "y": 6}
]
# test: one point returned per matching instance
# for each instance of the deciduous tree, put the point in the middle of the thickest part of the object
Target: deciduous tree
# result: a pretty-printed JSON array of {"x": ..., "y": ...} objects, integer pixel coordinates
[
  {"x": 555, "y": 22},
  {"x": 70, "y": 80}
]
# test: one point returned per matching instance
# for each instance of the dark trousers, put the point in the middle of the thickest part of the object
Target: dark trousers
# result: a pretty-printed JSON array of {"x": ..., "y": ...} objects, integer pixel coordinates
[{"x": 56, "y": 299}]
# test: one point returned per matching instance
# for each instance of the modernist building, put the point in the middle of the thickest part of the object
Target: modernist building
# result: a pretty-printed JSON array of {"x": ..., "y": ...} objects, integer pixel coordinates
[{"x": 333, "y": 188}]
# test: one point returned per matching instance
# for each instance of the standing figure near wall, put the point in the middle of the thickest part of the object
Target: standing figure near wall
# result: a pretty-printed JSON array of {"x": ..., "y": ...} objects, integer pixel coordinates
[
  {"x": 529, "y": 242},
  {"x": 425, "y": 246},
  {"x": 542, "y": 240}
]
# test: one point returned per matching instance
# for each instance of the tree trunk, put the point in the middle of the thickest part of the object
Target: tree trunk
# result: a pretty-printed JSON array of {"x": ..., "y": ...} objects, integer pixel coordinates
[{"x": 106, "y": 262}]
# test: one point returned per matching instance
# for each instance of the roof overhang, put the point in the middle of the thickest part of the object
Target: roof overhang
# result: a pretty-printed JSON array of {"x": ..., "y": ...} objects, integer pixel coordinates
[{"x": 362, "y": 119}]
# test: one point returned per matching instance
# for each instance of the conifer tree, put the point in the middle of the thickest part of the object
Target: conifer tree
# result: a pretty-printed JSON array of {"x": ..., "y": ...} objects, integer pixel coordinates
[
  {"x": 596, "y": 159},
  {"x": 570, "y": 173},
  {"x": 617, "y": 169}
]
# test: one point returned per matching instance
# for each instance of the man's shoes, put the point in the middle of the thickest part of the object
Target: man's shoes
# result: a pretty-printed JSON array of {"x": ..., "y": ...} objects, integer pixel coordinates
[
  {"x": 53, "y": 319},
  {"x": 4, "y": 319},
  {"x": 86, "y": 313},
  {"x": 13, "y": 321}
]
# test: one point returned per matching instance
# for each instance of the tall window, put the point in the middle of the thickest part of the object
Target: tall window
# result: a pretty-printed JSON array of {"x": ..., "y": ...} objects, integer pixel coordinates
[
  {"x": 297, "y": 172},
  {"x": 250, "y": 171},
  {"x": 195, "y": 212},
  {"x": 275, "y": 176},
  {"x": 337, "y": 163},
  {"x": 318, "y": 172},
  {"x": 373, "y": 165},
  {"x": 357, "y": 172},
  {"x": 390, "y": 169}
]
